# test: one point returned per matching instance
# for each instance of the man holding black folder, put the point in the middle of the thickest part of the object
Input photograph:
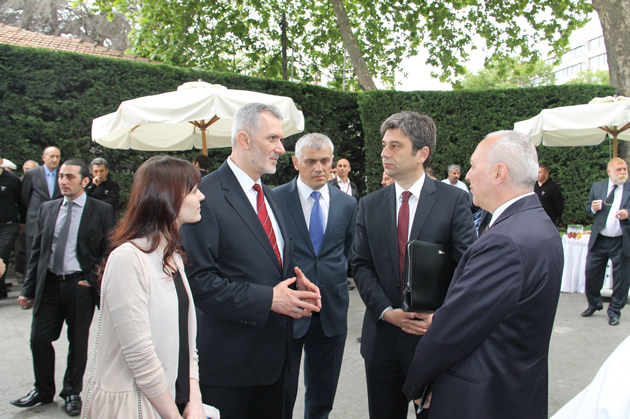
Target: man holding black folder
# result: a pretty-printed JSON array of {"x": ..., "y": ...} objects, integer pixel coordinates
[
  {"x": 486, "y": 349},
  {"x": 414, "y": 208}
]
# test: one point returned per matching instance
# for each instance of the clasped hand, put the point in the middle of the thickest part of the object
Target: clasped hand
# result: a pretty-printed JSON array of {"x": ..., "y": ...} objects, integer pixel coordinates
[
  {"x": 296, "y": 303},
  {"x": 412, "y": 323}
]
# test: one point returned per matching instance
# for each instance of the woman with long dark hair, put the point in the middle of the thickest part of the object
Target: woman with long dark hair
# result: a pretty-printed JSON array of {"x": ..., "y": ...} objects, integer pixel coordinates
[{"x": 146, "y": 358}]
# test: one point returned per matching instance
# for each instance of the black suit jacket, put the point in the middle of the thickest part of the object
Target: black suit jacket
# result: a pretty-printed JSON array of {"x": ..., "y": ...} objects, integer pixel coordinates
[
  {"x": 443, "y": 216},
  {"x": 487, "y": 347},
  {"x": 329, "y": 268},
  {"x": 353, "y": 188},
  {"x": 232, "y": 271},
  {"x": 599, "y": 190},
  {"x": 34, "y": 193},
  {"x": 97, "y": 220}
]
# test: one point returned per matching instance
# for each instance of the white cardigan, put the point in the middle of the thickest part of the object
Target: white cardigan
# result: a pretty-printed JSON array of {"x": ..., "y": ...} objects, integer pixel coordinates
[{"x": 139, "y": 333}]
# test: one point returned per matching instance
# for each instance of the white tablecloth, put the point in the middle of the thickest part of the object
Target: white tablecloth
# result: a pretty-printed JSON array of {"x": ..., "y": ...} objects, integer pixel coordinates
[{"x": 574, "y": 273}]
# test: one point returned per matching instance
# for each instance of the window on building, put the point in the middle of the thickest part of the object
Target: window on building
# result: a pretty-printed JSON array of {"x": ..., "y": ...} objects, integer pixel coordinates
[
  {"x": 596, "y": 42},
  {"x": 597, "y": 61},
  {"x": 574, "y": 53},
  {"x": 569, "y": 71}
]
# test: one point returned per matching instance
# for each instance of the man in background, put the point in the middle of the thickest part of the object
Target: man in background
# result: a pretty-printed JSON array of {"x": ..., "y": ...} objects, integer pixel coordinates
[
  {"x": 609, "y": 202},
  {"x": 101, "y": 187},
  {"x": 454, "y": 172},
  {"x": 321, "y": 221},
  {"x": 342, "y": 181},
  {"x": 386, "y": 181},
  {"x": 550, "y": 194},
  {"x": 486, "y": 349},
  {"x": 61, "y": 284},
  {"x": 202, "y": 162}
]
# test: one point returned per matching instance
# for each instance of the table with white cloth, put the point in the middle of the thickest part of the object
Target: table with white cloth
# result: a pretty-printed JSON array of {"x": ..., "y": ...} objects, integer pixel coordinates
[{"x": 574, "y": 273}]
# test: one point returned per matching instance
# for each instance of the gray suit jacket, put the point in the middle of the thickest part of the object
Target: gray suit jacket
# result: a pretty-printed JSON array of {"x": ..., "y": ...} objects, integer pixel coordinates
[
  {"x": 329, "y": 268},
  {"x": 599, "y": 190},
  {"x": 34, "y": 193}
]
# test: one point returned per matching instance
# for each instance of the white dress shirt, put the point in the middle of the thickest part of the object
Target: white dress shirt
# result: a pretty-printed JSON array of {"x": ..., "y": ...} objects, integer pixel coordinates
[
  {"x": 247, "y": 183},
  {"x": 613, "y": 228},
  {"x": 413, "y": 200},
  {"x": 497, "y": 213},
  {"x": 345, "y": 187},
  {"x": 307, "y": 201},
  {"x": 461, "y": 185},
  {"x": 70, "y": 261}
]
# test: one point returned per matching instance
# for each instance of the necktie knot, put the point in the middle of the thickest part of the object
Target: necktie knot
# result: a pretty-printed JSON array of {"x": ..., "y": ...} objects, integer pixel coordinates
[
  {"x": 405, "y": 196},
  {"x": 316, "y": 195}
]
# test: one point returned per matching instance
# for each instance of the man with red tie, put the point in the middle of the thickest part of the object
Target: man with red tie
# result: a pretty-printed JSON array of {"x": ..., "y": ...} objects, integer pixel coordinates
[
  {"x": 416, "y": 208},
  {"x": 246, "y": 288}
]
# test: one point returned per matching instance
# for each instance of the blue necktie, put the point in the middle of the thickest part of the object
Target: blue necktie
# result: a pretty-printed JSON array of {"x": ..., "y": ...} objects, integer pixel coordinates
[{"x": 316, "y": 224}]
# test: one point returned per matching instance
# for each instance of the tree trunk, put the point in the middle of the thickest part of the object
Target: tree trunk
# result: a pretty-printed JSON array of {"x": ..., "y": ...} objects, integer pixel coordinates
[
  {"x": 360, "y": 68},
  {"x": 615, "y": 18}
]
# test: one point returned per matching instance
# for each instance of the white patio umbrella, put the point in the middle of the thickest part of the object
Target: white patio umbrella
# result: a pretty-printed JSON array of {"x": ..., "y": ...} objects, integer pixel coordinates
[
  {"x": 197, "y": 115},
  {"x": 580, "y": 125}
]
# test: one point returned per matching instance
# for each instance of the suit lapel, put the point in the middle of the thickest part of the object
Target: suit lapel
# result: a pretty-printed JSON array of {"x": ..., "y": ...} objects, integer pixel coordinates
[
  {"x": 425, "y": 204},
  {"x": 333, "y": 211},
  {"x": 625, "y": 196},
  {"x": 388, "y": 209},
  {"x": 237, "y": 199}
]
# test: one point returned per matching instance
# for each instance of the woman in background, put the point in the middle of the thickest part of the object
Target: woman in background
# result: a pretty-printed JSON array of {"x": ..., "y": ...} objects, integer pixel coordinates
[{"x": 146, "y": 357}]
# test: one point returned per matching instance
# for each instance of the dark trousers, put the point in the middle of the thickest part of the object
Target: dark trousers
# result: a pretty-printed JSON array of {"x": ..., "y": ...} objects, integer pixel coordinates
[
  {"x": 385, "y": 380},
  {"x": 74, "y": 303},
  {"x": 607, "y": 248},
  {"x": 8, "y": 233},
  {"x": 260, "y": 402},
  {"x": 20, "y": 253},
  {"x": 322, "y": 365}
]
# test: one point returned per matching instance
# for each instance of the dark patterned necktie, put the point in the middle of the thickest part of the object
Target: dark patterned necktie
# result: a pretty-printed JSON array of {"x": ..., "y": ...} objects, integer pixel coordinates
[
  {"x": 263, "y": 215},
  {"x": 403, "y": 232},
  {"x": 62, "y": 241}
]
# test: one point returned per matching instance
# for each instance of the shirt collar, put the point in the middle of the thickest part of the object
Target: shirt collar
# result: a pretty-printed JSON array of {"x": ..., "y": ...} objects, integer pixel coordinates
[
  {"x": 415, "y": 188},
  {"x": 497, "y": 213},
  {"x": 48, "y": 171},
  {"x": 80, "y": 200},
  {"x": 243, "y": 178},
  {"x": 305, "y": 191}
]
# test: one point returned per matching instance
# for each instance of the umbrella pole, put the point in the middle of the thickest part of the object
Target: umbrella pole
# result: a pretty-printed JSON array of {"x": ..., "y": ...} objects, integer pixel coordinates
[
  {"x": 204, "y": 146},
  {"x": 614, "y": 145}
]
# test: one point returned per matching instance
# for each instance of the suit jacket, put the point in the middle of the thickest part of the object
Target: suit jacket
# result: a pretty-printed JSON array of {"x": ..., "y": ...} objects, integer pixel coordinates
[
  {"x": 443, "y": 216},
  {"x": 34, "y": 193},
  {"x": 232, "y": 270},
  {"x": 353, "y": 187},
  {"x": 599, "y": 190},
  {"x": 97, "y": 220},
  {"x": 107, "y": 191},
  {"x": 329, "y": 268},
  {"x": 488, "y": 345}
]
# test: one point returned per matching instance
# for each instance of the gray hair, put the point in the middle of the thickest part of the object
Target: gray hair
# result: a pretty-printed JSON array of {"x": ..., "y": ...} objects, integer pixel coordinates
[
  {"x": 453, "y": 167},
  {"x": 247, "y": 119},
  {"x": 518, "y": 153},
  {"x": 98, "y": 161},
  {"x": 314, "y": 140},
  {"x": 419, "y": 128}
]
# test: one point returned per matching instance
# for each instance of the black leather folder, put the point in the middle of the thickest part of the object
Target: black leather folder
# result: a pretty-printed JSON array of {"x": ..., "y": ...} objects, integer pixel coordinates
[{"x": 429, "y": 268}]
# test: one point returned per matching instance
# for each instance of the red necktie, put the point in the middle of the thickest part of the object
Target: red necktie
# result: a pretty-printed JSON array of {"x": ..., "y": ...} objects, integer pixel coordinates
[
  {"x": 261, "y": 208},
  {"x": 403, "y": 232}
]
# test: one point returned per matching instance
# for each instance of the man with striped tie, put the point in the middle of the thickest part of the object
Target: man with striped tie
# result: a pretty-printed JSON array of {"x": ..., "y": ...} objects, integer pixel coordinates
[
  {"x": 242, "y": 275},
  {"x": 321, "y": 221}
]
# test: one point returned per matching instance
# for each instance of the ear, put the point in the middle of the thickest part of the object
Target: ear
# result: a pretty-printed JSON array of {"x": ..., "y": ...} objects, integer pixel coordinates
[
  {"x": 85, "y": 181},
  {"x": 244, "y": 140},
  {"x": 294, "y": 159},
  {"x": 500, "y": 174},
  {"x": 422, "y": 155}
]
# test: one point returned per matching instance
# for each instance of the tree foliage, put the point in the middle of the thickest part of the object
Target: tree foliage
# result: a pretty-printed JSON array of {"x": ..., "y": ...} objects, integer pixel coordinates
[
  {"x": 243, "y": 36},
  {"x": 591, "y": 77},
  {"x": 509, "y": 73}
]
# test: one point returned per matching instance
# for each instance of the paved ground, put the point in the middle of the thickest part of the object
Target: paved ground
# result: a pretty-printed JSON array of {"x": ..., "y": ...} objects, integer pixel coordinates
[{"x": 578, "y": 348}]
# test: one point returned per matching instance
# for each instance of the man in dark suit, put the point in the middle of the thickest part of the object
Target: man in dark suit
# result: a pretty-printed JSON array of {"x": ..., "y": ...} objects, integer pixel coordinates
[
  {"x": 241, "y": 271},
  {"x": 486, "y": 348},
  {"x": 102, "y": 187},
  {"x": 321, "y": 221},
  {"x": 38, "y": 186},
  {"x": 414, "y": 208},
  {"x": 550, "y": 194},
  {"x": 609, "y": 201},
  {"x": 342, "y": 181},
  {"x": 61, "y": 283}
]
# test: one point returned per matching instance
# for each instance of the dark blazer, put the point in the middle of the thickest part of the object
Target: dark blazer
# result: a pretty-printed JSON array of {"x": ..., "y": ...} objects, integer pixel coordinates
[
  {"x": 488, "y": 346},
  {"x": 443, "y": 216},
  {"x": 353, "y": 187},
  {"x": 232, "y": 270},
  {"x": 599, "y": 190},
  {"x": 328, "y": 269},
  {"x": 34, "y": 193},
  {"x": 107, "y": 191},
  {"x": 97, "y": 220}
]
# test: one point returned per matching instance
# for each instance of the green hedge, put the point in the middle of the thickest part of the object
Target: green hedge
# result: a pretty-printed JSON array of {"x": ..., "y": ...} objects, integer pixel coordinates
[
  {"x": 50, "y": 98},
  {"x": 463, "y": 118}
]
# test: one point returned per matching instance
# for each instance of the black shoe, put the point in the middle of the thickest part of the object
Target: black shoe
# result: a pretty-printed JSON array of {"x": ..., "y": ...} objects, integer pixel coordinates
[
  {"x": 31, "y": 399},
  {"x": 589, "y": 312},
  {"x": 73, "y": 405},
  {"x": 613, "y": 320}
]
